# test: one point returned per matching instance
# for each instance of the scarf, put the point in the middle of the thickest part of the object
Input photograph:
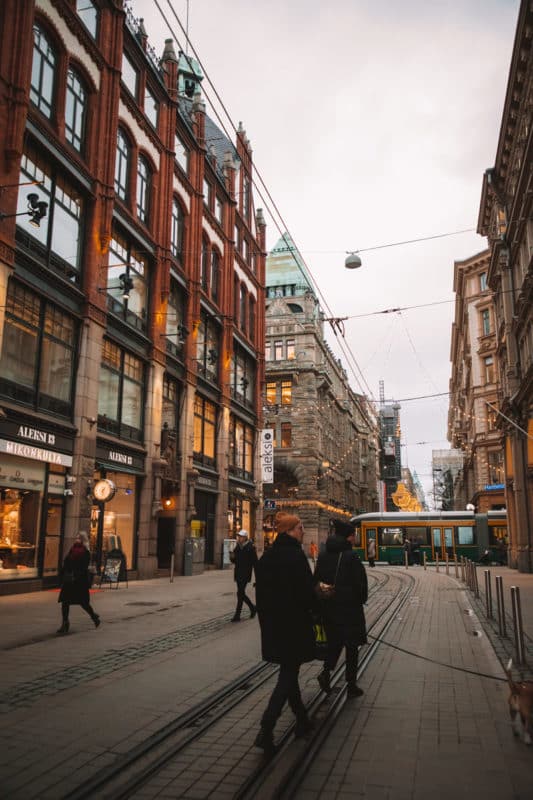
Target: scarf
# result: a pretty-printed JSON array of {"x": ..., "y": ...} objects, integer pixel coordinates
[{"x": 77, "y": 550}]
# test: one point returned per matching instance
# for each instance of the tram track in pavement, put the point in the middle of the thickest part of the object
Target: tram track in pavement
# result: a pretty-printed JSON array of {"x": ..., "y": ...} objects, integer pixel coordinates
[{"x": 149, "y": 760}]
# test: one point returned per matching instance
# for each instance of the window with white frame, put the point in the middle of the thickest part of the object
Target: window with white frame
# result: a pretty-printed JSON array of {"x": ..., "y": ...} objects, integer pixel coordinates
[
  {"x": 122, "y": 165},
  {"x": 143, "y": 189},
  {"x": 130, "y": 76},
  {"x": 43, "y": 72},
  {"x": 151, "y": 107},
  {"x": 88, "y": 13},
  {"x": 75, "y": 111},
  {"x": 176, "y": 234},
  {"x": 182, "y": 154}
]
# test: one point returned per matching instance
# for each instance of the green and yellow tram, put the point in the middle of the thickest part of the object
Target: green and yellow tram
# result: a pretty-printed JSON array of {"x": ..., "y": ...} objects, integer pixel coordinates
[{"x": 452, "y": 533}]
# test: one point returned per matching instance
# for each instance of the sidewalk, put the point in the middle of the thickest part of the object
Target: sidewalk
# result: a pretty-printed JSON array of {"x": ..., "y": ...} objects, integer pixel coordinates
[{"x": 421, "y": 729}]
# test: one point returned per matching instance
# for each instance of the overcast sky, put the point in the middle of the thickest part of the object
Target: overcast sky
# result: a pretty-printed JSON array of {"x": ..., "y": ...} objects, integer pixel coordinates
[{"x": 370, "y": 123}]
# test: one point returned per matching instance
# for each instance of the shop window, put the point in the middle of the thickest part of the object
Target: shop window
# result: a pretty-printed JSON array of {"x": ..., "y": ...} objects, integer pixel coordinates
[
  {"x": 88, "y": 13},
  {"x": 42, "y": 73},
  {"x": 204, "y": 446},
  {"x": 151, "y": 107},
  {"x": 20, "y": 511},
  {"x": 122, "y": 166},
  {"x": 286, "y": 434},
  {"x": 129, "y": 76},
  {"x": 144, "y": 181},
  {"x": 113, "y": 525},
  {"x": 121, "y": 392},
  {"x": 38, "y": 347},
  {"x": 176, "y": 236},
  {"x": 75, "y": 111},
  {"x": 127, "y": 281},
  {"x": 58, "y": 239}
]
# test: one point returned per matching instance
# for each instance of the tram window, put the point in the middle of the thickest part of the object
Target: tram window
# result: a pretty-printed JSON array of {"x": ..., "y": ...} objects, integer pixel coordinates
[
  {"x": 391, "y": 536},
  {"x": 465, "y": 534},
  {"x": 418, "y": 535}
]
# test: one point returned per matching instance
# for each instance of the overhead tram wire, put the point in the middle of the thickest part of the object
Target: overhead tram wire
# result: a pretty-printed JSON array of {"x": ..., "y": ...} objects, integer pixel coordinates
[{"x": 364, "y": 389}]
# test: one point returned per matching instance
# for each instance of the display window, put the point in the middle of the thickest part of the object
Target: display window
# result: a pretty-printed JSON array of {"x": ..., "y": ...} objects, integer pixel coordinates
[
  {"x": 113, "y": 522},
  {"x": 21, "y": 492}
]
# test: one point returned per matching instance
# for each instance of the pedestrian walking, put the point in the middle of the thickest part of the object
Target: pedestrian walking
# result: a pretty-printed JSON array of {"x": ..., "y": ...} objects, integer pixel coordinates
[
  {"x": 284, "y": 603},
  {"x": 244, "y": 557},
  {"x": 371, "y": 550},
  {"x": 342, "y": 613},
  {"x": 75, "y": 582}
]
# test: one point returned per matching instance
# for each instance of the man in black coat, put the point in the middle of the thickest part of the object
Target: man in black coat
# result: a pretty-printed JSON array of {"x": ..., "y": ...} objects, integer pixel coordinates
[
  {"x": 244, "y": 557},
  {"x": 285, "y": 598},
  {"x": 343, "y": 614}
]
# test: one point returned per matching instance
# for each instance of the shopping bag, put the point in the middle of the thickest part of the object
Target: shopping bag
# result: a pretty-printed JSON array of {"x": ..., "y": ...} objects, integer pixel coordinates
[{"x": 321, "y": 642}]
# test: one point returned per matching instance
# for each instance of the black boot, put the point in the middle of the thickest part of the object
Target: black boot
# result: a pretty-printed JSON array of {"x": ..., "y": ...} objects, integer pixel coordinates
[
  {"x": 64, "y": 627},
  {"x": 96, "y": 619},
  {"x": 354, "y": 690},
  {"x": 265, "y": 740}
]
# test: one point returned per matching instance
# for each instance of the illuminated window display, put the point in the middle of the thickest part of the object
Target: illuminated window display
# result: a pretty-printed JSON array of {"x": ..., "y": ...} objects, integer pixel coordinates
[
  {"x": 21, "y": 491},
  {"x": 113, "y": 523}
]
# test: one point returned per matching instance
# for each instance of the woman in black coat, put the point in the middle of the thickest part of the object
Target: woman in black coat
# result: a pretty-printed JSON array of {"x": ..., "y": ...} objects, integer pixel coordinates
[
  {"x": 284, "y": 597},
  {"x": 245, "y": 559},
  {"x": 75, "y": 582},
  {"x": 343, "y": 614}
]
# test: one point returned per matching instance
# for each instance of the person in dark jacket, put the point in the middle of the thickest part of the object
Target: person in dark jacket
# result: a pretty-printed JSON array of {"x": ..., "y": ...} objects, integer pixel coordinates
[
  {"x": 75, "y": 582},
  {"x": 245, "y": 559},
  {"x": 343, "y": 614},
  {"x": 284, "y": 596}
]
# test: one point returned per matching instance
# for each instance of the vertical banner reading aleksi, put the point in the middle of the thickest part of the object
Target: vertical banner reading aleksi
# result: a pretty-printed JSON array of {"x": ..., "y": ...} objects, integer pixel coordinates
[{"x": 267, "y": 456}]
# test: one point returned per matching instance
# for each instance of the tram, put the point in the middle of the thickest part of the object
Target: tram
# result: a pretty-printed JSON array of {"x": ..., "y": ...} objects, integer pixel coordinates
[{"x": 454, "y": 533}]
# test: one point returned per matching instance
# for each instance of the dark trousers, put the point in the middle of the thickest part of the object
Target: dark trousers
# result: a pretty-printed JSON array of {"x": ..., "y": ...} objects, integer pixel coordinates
[
  {"x": 65, "y": 608},
  {"x": 242, "y": 598},
  {"x": 285, "y": 690},
  {"x": 337, "y": 639}
]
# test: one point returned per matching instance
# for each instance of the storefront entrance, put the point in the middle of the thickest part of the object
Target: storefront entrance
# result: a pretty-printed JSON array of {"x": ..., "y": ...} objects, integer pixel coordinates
[{"x": 205, "y": 504}]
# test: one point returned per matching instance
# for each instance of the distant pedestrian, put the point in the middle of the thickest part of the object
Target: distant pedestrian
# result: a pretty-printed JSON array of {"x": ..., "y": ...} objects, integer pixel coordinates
[
  {"x": 244, "y": 557},
  {"x": 75, "y": 582},
  {"x": 343, "y": 614},
  {"x": 408, "y": 550},
  {"x": 371, "y": 551},
  {"x": 284, "y": 603}
]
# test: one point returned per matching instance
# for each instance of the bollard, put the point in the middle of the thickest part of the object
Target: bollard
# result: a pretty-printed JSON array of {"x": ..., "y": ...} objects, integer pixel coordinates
[
  {"x": 468, "y": 573},
  {"x": 456, "y": 565},
  {"x": 501, "y": 606},
  {"x": 447, "y": 564},
  {"x": 437, "y": 561},
  {"x": 405, "y": 560},
  {"x": 488, "y": 593},
  {"x": 463, "y": 569},
  {"x": 476, "y": 584},
  {"x": 517, "y": 622},
  {"x": 425, "y": 559}
]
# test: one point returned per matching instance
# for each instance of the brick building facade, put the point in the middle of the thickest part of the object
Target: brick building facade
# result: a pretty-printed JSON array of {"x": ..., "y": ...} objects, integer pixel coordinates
[{"x": 131, "y": 299}]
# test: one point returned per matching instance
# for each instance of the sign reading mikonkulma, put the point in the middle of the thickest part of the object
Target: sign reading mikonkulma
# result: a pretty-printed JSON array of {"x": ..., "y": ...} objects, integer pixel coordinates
[{"x": 267, "y": 455}]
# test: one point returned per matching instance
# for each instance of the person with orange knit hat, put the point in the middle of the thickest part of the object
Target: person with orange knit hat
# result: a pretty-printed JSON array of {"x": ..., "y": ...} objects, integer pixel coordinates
[{"x": 285, "y": 598}]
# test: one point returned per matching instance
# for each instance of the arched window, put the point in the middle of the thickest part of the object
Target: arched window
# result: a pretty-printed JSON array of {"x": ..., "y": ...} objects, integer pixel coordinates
[
  {"x": 215, "y": 266},
  {"x": 176, "y": 241},
  {"x": 42, "y": 73},
  {"x": 242, "y": 308},
  {"x": 144, "y": 179},
  {"x": 204, "y": 265},
  {"x": 75, "y": 111},
  {"x": 122, "y": 165}
]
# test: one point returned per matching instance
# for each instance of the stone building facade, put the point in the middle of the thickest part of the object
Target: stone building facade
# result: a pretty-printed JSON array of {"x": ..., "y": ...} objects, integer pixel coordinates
[
  {"x": 474, "y": 385},
  {"x": 325, "y": 434},
  {"x": 131, "y": 300},
  {"x": 506, "y": 219}
]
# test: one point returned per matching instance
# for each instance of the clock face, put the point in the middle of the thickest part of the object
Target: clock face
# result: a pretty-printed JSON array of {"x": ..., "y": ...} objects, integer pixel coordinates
[{"x": 104, "y": 490}]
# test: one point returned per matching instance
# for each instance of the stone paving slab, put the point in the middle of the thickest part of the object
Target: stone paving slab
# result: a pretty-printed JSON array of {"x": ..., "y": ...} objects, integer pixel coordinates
[{"x": 421, "y": 729}]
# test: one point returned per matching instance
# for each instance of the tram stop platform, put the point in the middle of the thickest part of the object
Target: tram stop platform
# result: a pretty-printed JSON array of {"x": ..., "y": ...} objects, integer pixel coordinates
[{"x": 433, "y": 720}]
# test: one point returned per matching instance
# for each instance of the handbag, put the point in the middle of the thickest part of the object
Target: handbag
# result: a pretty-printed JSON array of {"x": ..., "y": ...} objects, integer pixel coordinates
[
  {"x": 325, "y": 591},
  {"x": 321, "y": 642}
]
